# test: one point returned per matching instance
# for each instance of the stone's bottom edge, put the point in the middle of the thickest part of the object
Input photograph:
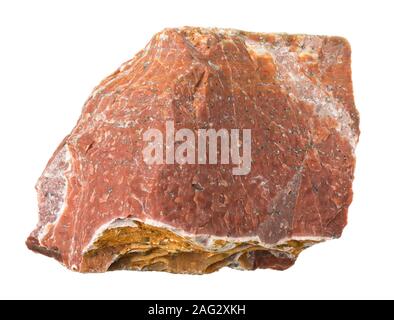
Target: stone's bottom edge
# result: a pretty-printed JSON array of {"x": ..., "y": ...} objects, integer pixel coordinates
[
  {"x": 34, "y": 245},
  {"x": 145, "y": 247}
]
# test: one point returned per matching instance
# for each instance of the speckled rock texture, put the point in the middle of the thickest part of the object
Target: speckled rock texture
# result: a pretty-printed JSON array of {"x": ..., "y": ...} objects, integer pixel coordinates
[{"x": 101, "y": 207}]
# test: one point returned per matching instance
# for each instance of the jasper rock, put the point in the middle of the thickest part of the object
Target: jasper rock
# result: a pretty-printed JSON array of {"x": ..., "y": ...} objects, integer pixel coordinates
[{"x": 101, "y": 207}]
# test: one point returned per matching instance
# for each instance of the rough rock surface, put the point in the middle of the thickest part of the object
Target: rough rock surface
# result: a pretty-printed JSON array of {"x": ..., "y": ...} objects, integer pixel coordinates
[{"x": 102, "y": 208}]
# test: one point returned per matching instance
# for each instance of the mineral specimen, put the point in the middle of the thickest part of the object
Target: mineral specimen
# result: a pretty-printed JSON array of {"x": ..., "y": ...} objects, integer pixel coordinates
[{"x": 102, "y": 207}]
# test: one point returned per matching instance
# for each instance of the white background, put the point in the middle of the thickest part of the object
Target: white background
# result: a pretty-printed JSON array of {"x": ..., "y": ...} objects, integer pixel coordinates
[{"x": 52, "y": 54}]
